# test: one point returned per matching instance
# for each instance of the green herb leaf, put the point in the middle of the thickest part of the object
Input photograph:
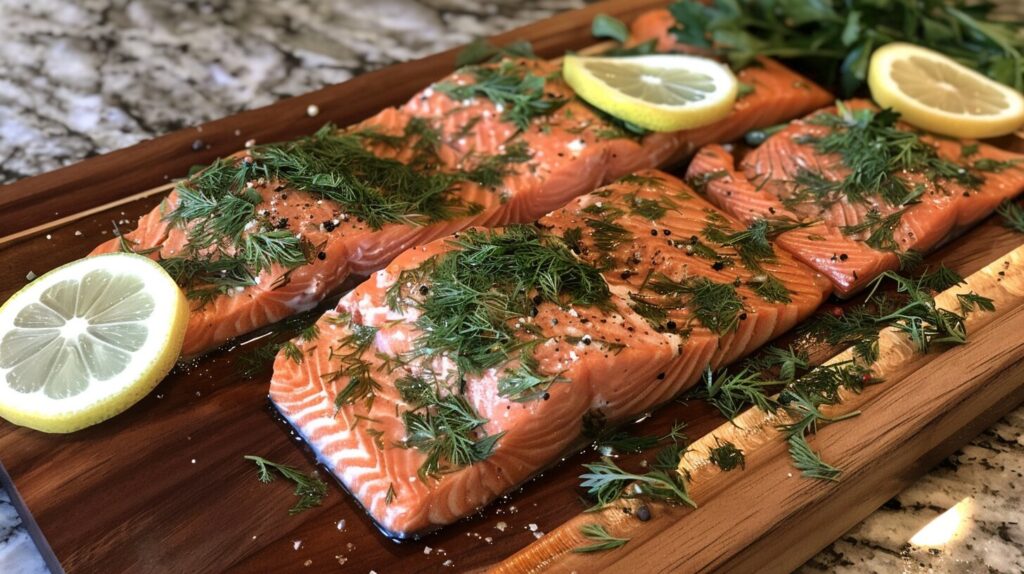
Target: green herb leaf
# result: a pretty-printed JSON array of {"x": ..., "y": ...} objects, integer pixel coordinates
[
  {"x": 309, "y": 489},
  {"x": 602, "y": 540}
]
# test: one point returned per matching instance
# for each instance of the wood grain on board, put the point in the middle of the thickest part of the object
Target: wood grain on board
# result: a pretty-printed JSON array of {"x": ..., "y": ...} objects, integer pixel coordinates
[{"x": 164, "y": 487}]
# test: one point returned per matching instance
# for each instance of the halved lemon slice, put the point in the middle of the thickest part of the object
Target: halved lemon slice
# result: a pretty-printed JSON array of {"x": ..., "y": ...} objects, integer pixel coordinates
[
  {"x": 937, "y": 94},
  {"x": 87, "y": 340},
  {"x": 662, "y": 93}
]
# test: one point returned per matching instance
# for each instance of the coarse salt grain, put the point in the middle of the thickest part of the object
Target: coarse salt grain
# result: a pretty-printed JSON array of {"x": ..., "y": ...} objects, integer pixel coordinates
[{"x": 312, "y": 110}]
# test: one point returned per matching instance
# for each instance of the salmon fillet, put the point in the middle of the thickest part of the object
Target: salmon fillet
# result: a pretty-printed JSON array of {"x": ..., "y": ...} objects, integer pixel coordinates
[
  {"x": 615, "y": 304},
  {"x": 854, "y": 232},
  {"x": 503, "y": 170}
]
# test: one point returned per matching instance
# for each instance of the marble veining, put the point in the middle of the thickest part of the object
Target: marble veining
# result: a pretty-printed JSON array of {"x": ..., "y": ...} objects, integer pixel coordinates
[
  {"x": 18, "y": 554},
  {"x": 84, "y": 77},
  {"x": 917, "y": 532},
  {"x": 81, "y": 78}
]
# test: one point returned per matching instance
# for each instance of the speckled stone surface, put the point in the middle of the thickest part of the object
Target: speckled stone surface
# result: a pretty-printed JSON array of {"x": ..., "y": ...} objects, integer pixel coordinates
[{"x": 79, "y": 78}]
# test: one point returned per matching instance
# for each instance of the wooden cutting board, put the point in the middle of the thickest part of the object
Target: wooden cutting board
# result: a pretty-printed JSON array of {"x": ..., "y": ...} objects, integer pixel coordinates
[{"x": 164, "y": 487}]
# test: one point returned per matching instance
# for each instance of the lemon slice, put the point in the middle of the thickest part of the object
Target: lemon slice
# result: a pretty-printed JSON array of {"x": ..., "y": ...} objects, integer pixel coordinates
[
  {"x": 662, "y": 93},
  {"x": 935, "y": 93},
  {"x": 87, "y": 340}
]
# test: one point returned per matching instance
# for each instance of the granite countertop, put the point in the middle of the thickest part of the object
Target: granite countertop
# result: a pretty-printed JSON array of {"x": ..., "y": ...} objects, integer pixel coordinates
[{"x": 84, "y": 77}]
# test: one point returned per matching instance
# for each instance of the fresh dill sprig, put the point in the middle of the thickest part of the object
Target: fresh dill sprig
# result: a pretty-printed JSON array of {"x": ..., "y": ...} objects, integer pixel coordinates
[
  {"x": 785, "y": 363},
  {"x": 309, "y": 489},
  {"x": 808, "y": 462},
  {"x": 730, "y": 393},
  {"x": 491, "y": 170},
  {"x": 508, "y": 84},
  {"x": 880, "y": 229},
  {"x": 911, "y": 310},
  {"x": 754, "y": 248},
  {"x": 726, "y": 456},
  {"x": 1013, "y": 215},
  {"x": 349, "y": 353},
  {"x": 601, "y": 538},
  {"x": 652, "y": 209},
  {"x": 448, "y": 431},
  {"x": 606, "y": 482},
  {"x": 620, "y": 441},
  {"x": 525, "y": 383},
  {"x": 258, "y": 359},
  {"x": 877, "y": 152},
  {"x": 717, "y": 306},
  {"x": 468, "y": 298}
]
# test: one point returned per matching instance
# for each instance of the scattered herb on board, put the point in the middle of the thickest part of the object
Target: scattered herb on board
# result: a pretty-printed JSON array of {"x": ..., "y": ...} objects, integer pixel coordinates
[
  {"x": 730, "y": 393},
  {"x": 831, "y": 40},
  {"x": 469, "y": 297},
  {"x": 1013, "y": 215},
  {"x": 618, "y": 441},
  {"x": 601, "y": 539},
  {"x": 309, "y": 489},
  {"x": 876, "y": 152},
  {"x": 911, "y": 309},
  {"x": 726, "y": 456},
  {"x": 606, "y": 482}
]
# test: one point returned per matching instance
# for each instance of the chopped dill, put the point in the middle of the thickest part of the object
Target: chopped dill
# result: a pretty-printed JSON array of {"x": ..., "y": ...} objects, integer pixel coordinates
[
  {"x": 602, "y": 540},
  {"x": 390, "y": 496},
  {"x": 726, "y": 456},
  {"x": 309, "y": 489},
  {"x": 606, "y": 482},
  {"x": 607, "y": 234},
  {"x": 769, "y": 288},
  {"x": 258, "y": 359},
  {"x": 349, "y": 353},
  {"x": 491, "y": 170},
  {"x": 509, "y": 84},
  {"x": 880, "y": 229},
  {"x": 1013, "y": 215},
  {"x": 525, "y": 383},
  {"x": 717, "y": 306},
  {"x": 471, "y": 295},
  {"x": 730, "y": 393},
  {"x": 700, "y": 182},
  {"x": 448, "y": 431},
  {"x": 876, "y": 151}
]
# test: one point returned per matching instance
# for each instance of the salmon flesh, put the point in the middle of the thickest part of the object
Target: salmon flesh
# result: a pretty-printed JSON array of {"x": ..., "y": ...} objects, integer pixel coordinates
[{"x": 470, "y": 364}]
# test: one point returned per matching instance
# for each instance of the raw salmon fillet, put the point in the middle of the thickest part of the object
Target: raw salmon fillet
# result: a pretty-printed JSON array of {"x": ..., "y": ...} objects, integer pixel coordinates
[
  {"x": 853, "y": 241},
  {"x": 634, "y": 345},
  {"x": 534, "y": 168}
]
